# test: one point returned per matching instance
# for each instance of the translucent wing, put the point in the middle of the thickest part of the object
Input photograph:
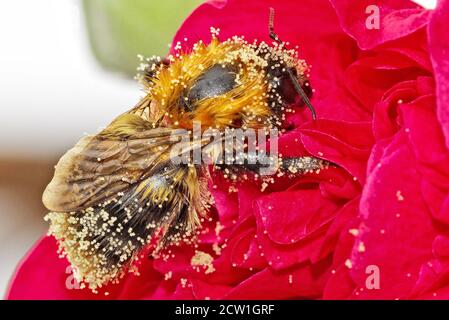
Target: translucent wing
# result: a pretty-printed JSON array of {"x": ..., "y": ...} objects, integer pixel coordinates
[{"x": 100, "y": 166}]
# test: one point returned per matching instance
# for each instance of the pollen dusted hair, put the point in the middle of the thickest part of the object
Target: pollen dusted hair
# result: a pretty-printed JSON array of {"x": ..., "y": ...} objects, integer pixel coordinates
[{"x": 254, "y": 101}]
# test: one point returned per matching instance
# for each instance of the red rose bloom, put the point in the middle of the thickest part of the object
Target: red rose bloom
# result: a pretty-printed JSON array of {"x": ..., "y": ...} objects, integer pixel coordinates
[{"x": 382, "y": 99}]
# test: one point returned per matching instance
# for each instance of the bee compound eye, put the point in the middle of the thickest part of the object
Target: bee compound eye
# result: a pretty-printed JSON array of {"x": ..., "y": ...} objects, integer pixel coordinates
[{"x": 279, "y": 78}]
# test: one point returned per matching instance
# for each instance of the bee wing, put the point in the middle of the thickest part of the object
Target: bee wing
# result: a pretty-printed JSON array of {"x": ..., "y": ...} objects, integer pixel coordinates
[
  {"x": 112, "y": 192},
  {"x": 110, "y": 162}
]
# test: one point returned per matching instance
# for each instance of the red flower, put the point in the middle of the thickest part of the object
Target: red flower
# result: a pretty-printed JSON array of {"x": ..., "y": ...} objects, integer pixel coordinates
[{"x": 382, "y": 100}]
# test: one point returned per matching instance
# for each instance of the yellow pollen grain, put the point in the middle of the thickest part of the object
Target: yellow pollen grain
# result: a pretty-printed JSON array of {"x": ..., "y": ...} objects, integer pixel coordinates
[
  {"x": 361, "y": 247},
  {"x": 218, "y": 228},
  {"x": 216, "y": 248},
  {"x": 348, "y": 264},
  {"x": 399, "y": 195},
  {"x": 204, "y": 260},
  {"x": 168, "y": 275}
]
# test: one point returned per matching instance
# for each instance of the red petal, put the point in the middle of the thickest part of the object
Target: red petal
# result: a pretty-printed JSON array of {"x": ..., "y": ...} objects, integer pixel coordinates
[
  {"x": 439, "y": 51},
  {"x": 343, "y": 143},
  {"x": 289, "y": 217},
  {"x": 396, "y": 233},
  {"x": 43, "y": 264},
  {"x": 301, "y": 282},
  {"x": 428, "y": 145},
  {"x": 398, "y": 18}
]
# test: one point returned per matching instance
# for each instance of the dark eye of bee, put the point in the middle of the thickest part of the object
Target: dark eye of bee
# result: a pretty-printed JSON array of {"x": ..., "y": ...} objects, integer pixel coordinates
[
  {"x": 279, "y": 78},
  {"x": 214, "y": 82}
]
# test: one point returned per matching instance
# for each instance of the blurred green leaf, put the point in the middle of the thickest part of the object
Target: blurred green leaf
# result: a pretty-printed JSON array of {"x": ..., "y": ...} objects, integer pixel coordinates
[{"x": 121, "y": 29}]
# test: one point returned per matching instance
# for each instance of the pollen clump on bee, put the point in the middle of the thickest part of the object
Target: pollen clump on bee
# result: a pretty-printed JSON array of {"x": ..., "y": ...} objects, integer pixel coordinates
[{"x": 79, "y": 235}]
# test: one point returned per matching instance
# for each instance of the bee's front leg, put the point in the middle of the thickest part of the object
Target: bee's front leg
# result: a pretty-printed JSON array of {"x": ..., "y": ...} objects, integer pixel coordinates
[{"x": 269, "y": 166}]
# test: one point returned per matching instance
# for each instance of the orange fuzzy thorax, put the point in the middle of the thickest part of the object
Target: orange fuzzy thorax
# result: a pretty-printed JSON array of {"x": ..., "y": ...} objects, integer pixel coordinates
[{"x": 246, "y": 105}]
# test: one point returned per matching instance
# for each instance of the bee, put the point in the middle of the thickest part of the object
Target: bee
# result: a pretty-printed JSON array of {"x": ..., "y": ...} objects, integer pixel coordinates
[{"x": 117, "y": 191}]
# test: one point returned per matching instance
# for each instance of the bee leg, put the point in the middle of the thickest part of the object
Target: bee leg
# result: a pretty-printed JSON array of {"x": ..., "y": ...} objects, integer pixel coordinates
[
  {"x": 301, "y": 165},
  {"x": 292, "y": 77},
  {"x": 291, "y": 166}
]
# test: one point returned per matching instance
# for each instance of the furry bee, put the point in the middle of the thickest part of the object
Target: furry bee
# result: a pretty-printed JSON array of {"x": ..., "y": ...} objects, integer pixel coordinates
[{"x": 117, "y": 190}]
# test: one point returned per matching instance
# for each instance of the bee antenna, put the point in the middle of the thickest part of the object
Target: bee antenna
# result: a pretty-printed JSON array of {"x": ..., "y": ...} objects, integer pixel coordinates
[
  {"x": 294, "y": 80},
  {"x": 301, "y": 92},
  {"x": 271, "y": 27}
]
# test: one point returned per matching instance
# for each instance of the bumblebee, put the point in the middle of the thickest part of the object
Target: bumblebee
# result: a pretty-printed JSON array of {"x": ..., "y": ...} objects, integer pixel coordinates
[{"x": 118, "y": 190}]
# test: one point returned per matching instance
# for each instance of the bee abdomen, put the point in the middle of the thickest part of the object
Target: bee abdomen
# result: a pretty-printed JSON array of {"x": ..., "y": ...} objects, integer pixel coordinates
[{"x": 104, "y": 241}]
